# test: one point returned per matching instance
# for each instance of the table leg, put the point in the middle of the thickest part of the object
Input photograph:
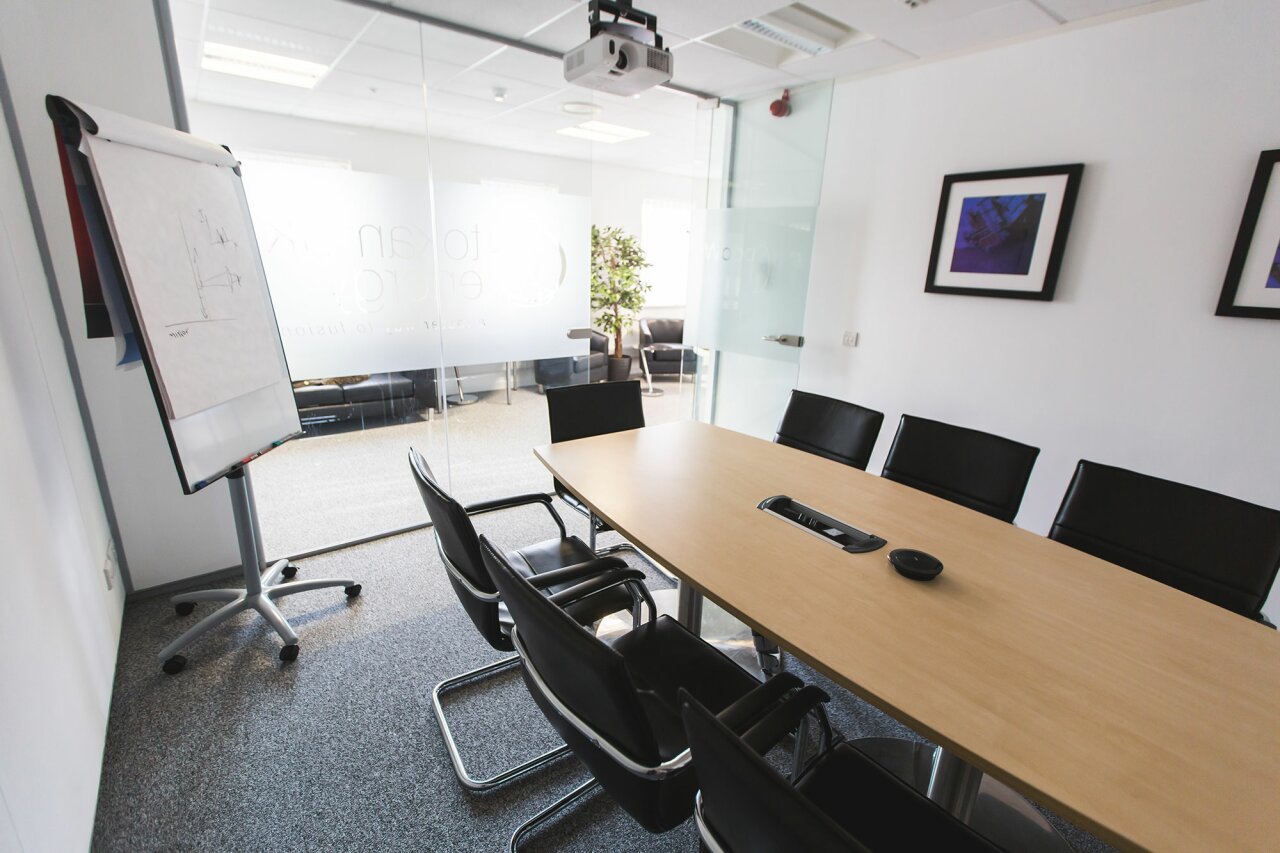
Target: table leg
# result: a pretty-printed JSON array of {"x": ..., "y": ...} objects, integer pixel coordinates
[
  {"x": 992, "y": 808},
  {"x": 508, "y": 369},
  {"x": 689, "y": 607}
]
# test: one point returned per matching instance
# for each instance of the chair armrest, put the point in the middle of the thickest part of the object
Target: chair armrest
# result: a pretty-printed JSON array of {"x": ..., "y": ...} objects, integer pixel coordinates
[
  {"x": 783, "y": 719},
  {"x": 599, "y": 583},
  {"x": 1265, "y": 621},
  {"x": 578, "y": 571},
  {"x": 515, "y": 501},
  {"x": 746, "y": 711},
  {"x": 646, "y": 336}
]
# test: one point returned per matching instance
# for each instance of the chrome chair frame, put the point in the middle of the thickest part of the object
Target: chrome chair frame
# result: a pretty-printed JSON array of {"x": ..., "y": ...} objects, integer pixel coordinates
[{"x": 497, "y": 667}]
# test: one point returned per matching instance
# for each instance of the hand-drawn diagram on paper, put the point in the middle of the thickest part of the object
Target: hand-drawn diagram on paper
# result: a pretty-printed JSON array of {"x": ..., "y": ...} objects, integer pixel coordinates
[{"x": 194, "y": 275}]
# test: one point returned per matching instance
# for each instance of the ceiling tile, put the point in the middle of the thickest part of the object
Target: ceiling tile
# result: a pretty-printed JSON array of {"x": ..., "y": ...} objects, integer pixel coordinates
[
  {"x": 371, "y": 88},
  {"x": 325, "y": 17},
  {"x": 696, "y": 19},
  {"x": 981, "y": 28},
  {"x": 480, "y": 85},
  {"x": 700, "y": 66},
  {"x": 852, "y": 59},
  {"x": 1078, "y": 10},
  {"x": 511, "y": 18},
  {"x": 522, "y": 65},
  {"x": 395, "y": 66}
]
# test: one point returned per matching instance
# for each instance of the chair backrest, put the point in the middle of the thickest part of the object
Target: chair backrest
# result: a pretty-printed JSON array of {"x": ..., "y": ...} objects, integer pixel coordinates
[
  {"x": 580, "y": 411},
  {"x": 458, "y": 540},
  {"x": 975, "y": 469},
  {"x": 1218, "y": 548},
  {"x": 834, "y": 429},
  {"x": 584, "y": 673},
  {"x": 662, "y": 331},
  {"x": 746, "y": 803}
]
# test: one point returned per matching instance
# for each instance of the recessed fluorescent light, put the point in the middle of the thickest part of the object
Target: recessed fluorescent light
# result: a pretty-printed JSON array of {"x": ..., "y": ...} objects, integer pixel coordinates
[
  {"x": 259, "y": 65},
  {"x": 599, "y": 131},
  {"x": 579, "y": 133},
  {"x": 614, "y": 129}
]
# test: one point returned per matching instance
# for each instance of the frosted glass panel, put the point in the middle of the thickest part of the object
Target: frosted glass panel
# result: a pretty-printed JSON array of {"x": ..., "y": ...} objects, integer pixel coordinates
[
  {"x": 755, "y": 278},
  {"x": 349, "y": 260}
]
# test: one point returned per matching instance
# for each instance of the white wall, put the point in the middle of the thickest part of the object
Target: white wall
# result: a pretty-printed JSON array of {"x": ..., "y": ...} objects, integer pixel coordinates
[
  {"x": 59, "y": 621},
  {"x": 1127, "y": 365},
  {"x": 108, "y": 54}
]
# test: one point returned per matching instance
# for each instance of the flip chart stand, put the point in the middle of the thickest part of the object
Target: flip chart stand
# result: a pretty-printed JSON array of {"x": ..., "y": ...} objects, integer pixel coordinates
[{"x": 262, "y": 587}]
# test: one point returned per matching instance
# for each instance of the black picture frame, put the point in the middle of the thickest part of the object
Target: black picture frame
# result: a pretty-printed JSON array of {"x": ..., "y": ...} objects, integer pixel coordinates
[
  {"x": 1013, "y": 267},
  {"x": 1250, "y": 241}
]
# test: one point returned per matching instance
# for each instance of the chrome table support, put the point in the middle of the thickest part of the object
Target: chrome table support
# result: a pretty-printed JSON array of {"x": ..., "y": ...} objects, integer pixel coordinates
[
  {"x": 467, "y": 780},
  {"x": 689, "y": 608},
  {"x": 992, "y": 808}
]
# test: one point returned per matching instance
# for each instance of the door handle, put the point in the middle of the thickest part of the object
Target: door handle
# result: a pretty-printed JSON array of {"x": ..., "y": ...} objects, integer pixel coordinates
[
  {"x": 785, "y": 340},
  {"x": 578, "y": 334}
]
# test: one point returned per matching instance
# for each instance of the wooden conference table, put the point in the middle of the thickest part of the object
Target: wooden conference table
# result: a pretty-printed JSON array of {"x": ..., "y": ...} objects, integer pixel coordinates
[{"x": 1145, "y": 715}]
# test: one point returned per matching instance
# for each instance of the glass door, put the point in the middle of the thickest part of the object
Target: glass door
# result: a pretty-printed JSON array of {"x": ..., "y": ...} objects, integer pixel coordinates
[{"x": 757, "y": 238}]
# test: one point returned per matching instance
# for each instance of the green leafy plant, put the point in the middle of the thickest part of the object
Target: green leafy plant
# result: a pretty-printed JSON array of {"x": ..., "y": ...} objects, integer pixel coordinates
[{"x": 617, "y": 293}]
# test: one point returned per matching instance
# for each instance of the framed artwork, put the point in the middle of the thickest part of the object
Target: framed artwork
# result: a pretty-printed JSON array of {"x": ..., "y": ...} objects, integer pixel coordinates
[
  {"x": 1003, "y": 233},
  {"x": 1252, "y": 287}
]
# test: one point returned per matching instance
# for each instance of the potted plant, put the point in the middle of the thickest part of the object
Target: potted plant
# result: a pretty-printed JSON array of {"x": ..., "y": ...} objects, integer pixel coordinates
[{"x": 617, "y": 293}]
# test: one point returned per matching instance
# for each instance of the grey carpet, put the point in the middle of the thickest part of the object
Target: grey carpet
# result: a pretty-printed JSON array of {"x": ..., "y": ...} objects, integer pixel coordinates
[{"x": 340, "y": 751}]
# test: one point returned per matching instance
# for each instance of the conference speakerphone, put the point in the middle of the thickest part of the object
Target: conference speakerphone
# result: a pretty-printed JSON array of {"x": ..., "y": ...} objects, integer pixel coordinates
[{"x": 839, "y": 533}]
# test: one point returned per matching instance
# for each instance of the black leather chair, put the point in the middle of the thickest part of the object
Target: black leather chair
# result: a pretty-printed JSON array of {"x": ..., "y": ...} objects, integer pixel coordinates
[
  {"x": 552, "y": 566},
  {"x": 577, "y": 369},
  {"x": 1218, "y": 548},
  {"x": 615, "y": 703},
  {"x": 581, "y": 411},
  {"x": 663, "y": 350},
  {"x": 975, "y": 469},
  {"x": 833, "y": 429},
  {"x": 842, "y": 802}
]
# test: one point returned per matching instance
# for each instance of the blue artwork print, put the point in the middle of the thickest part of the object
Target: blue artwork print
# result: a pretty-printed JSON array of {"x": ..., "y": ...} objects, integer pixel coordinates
[
  {"x": 997, "y": 234},
  {"x": 1273, "y": 280}
]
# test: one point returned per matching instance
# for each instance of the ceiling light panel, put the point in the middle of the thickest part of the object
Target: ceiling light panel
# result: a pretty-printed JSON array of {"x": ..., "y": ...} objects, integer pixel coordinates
[
  {"x": 510, "y": 19},
  {"x": 589, "y": 135},
  {"x": 327, "y": 17},
  {"x": 613, "y": 129},
  {"x": 260, "y": 65}
]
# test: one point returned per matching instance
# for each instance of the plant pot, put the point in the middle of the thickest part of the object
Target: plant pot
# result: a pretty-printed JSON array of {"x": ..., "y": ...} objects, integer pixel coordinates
[{"x": 619, "y": 368}]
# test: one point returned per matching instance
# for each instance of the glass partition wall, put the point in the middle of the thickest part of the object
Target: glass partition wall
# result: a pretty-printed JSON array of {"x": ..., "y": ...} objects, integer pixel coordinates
[{"x": 424, "y": 202}]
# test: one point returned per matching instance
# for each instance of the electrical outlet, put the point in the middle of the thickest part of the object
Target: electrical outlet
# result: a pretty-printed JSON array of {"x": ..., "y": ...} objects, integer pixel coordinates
[
  {"x": 850, "y": 339},
  {"x": 109, "y": 565}
]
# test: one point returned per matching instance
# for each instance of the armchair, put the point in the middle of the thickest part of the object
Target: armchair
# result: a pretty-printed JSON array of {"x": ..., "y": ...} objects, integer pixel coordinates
[
  {"x": 663, "y": 351},
  {"x": 577, "y": 369}
]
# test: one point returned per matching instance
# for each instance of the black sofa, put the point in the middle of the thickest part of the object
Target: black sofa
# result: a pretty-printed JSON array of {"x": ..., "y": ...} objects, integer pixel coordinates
[
  {"x": 577, "y": 369},
  {"x": 380, "y": 397}
]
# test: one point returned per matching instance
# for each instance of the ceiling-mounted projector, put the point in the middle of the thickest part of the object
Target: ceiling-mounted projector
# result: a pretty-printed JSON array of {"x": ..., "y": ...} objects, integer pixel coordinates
[{"x": 624, "y": 56}]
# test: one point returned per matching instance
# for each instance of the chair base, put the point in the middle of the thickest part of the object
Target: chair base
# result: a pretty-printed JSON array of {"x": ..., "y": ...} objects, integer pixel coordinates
[
  {"x": 996, "y": 812},
  {"x": 259, "y": 594},
  {"x": 459, "y": 768},
  {"x": 551, "y": 811}
]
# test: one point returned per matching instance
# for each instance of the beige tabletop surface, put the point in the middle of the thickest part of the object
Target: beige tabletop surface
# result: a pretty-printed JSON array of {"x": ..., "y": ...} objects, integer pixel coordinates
[{"x": 1141, "y": 713}]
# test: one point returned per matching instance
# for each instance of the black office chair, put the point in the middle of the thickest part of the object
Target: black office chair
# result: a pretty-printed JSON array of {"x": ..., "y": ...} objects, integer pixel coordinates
[
  {"x": 833, "y": 429},
  {"x": 581, "y": 411},
  {"x": 552, "y": 565},
  {"x": 615, "y": 703},
  {"x": 842, "y": 802},
  {"x": 1218, "y": 548},
  {"x": 975, "y": 469}
]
